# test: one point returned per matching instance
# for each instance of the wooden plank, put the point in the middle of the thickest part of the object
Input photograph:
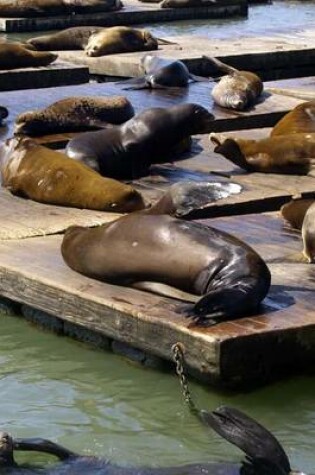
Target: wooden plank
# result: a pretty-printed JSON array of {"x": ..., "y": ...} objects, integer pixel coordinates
[
  {"x": 59, "y": 73},
  {"x": 134, "y": 12},
  {"x": 273, "y": 57},
  {"x": 278, "y": 340},
  {"x": 265, "y": 114}
]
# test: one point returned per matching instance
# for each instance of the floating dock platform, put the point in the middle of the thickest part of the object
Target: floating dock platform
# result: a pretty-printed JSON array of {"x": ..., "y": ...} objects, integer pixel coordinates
[
  {"x": 134, "y": 12},
  {"x": 273, "y": 56},
  {"x": 277, "y": 341}
]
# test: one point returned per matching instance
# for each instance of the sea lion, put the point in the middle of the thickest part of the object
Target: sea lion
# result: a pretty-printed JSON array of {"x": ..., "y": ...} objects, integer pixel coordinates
[
  {"x": 69, "y": 39},
  {"x": 237, "y": 90},
  {"x": 19, "y": 56},
  {"x": 187, "y": 3},
  {"x": 308, "y": 234},
  {"x": 162, "y": 73},
  {"x": 294, "y": 211},
  {"x": 73, "y": 114},
  {"x": 35, "y": 8},
  {"x": 47, "y": 176},
  {"x": 3, "y": 114},
  {"x": 300, "y": 120},
  {"x": 121, "y": 39},
  {"x": 128, "y": 150},
  {"x": 292, "y": 154},
  {"x": 231, "y": 278}
]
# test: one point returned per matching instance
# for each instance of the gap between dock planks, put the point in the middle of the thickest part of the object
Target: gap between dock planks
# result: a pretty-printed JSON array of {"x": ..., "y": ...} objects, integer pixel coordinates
[
  {"x": 56, "y": 74},
  {"x": 134, "y": 12},
  {"x": 280, "y": 340},
  {"x": 273, "y": 57}
]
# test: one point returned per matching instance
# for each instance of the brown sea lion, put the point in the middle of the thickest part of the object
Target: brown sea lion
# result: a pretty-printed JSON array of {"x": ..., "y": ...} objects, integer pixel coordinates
[
  {"x": 288, "y": 154},
  {"x": 121, "y": 39},
  {"x": 73, "y": 114},
  {"x": 308, "y": 234},
  {"x": 265, "y": 455},
  {"x": 162, "y": 73},
  {"x": 237, "y": 90},
  {"x": 34, "y": 8},
  {"x": 68, "y": 39},
  {"x": 186, "y": 3},
  {"x": 230, "y": 277},
  {"x": 300, "y": 120},
  {"x": 127, "y": 151},
  {"x": 47, "y": 176},
  {"x": 294, "y": 211},
  {"x": 14, "y": 56}
]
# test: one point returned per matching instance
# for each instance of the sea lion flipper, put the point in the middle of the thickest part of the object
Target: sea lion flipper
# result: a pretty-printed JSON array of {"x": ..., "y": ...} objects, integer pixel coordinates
[
  {"x": 162, "y": 41},
  {"x": 43, "y": 445},
  {"x": 220, "y": 65},
  {"x": 135, "y": 83},
  {"x": 196, "y": 78}
]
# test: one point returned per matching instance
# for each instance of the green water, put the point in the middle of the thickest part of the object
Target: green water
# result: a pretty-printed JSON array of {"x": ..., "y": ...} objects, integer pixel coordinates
[{"x": 99, "y": 403}]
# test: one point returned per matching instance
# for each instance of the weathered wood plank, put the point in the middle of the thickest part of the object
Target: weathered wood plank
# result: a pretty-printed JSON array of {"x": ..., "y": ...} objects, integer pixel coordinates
[
  {"x": 134, "y": 13},
  {"x": 273, "y": 57},
  {"x": 279, "y": 340},
  {"x": 57, "y": 74}
]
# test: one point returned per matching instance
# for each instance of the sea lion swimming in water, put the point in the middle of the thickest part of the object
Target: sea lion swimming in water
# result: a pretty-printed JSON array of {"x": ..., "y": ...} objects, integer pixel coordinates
[
  {"x": 75, "y": 114},
  {"x": 162, "y": 73},
  {"x": 292, "y": 155},
  {"x": 264, "y": 454},
  {"x": 121, "y": 39},
  {"x": 299, "y": 120},
  {"x": 17, "y": 55},
  {"x": 238, "y": 90},
  {"x": 47, "y": 176},
  {"x": 128, "y": 150},
  {"x": 228, "y": 275}
]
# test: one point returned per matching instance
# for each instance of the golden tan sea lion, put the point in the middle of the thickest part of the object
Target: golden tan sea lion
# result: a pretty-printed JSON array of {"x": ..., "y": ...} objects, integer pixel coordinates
[
  {"x": 308, "y": 234},
  {"x": 238, "y": 89},
  {"x": 121, "y": 39},
  {"x": 299, "y": 120},
  {"x": 294, "y": 211},
  {"x": 14, "y": 56},
  {"x": 289, "y": 154},
  {"x": 68, "y": 39},
  {"x": 75, "y": 113},
  {"x": 34, "y": 8},
  {"x": 47, "y": 176}
]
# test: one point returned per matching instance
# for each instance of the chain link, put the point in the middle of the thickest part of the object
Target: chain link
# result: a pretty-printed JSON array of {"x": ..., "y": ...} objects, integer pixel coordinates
[{"x": 178, "y": 354}]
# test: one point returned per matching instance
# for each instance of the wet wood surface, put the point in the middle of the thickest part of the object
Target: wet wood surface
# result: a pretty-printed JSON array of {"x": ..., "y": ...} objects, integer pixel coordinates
[
  {"x": 273, "y": 56},
  {"x": 278, "y": 340},
  {"x": 134, "y": 12},
  {"x": 57, "y": 74}
]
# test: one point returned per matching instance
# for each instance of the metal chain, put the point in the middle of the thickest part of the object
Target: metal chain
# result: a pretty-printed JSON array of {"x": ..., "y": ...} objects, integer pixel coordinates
[{"x": 178, "y": 354}]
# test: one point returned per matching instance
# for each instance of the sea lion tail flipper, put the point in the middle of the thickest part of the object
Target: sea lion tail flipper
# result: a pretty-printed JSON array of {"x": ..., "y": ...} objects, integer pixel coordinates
[
  {"x": 220, "y": 65},
  {"x": 162, "y": 41},
  {"x": 195, "y": 78},
  {"x": 43, "y": 445},
  {"x": 260, "y": 446},
  {"x": 298, "y": 93},
  {"x": 135, "y": 83}
]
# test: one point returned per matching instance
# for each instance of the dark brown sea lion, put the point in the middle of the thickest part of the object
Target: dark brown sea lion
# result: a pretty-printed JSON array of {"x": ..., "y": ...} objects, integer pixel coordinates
[
  {"x": 121, "y": 39},
  {"x": 34, "y": 8},
  {"x": 47, "y": 176},
  {"x": 14, "y": 56},
  {"x": 230, "y": 277},
  {"x": 300, "y": 120},
  {"x": 288, "y": 154},
  {"x": 186, "y": 3},
  {"x": 68, "y": 39},
  {"x": 127, "y": 151},
  {"x": 162, "y": 73},
  {"x": 75, "y": 113},
  {"x": 3, "y": 114},
  {"x": 238, "y": 90}
]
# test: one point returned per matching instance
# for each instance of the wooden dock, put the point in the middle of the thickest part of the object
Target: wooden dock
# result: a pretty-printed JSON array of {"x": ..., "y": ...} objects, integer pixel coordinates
[
  {"x": 278, "y": 341},
  {"x": 134, "y": 12},
  {"x": 57, "y": 74},
  {"x": 273, "y": 56}
]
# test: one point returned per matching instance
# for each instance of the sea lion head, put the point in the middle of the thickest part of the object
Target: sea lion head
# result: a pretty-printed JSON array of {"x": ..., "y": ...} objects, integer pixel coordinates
[
  {"x": 149, "y": 41},
  {"x": 196, "y": 118},
  {"x": 27, "y": 123},
  {"x": 6, "y": 450}
]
